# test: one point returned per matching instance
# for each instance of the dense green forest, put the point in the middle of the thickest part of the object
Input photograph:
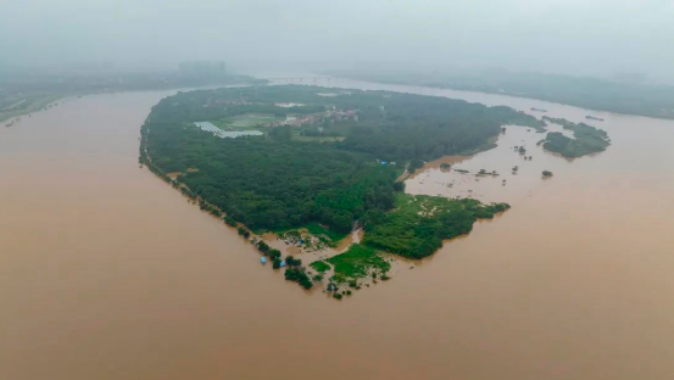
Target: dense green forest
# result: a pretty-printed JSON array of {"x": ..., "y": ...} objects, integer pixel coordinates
[
  {"x": 419, "y": 127},
  {"x": 269, "y": 184},
  {"x": 279, "y": 180},
  {"x": 587, "y": 139},
  {"x": 389, "y": 126},
  {"x": 419, "y": 224},
  {"x": 592, "y": 93}
]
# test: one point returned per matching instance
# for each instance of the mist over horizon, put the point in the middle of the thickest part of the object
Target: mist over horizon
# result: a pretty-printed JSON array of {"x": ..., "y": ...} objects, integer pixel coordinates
[{"x": 582, "y": 38}]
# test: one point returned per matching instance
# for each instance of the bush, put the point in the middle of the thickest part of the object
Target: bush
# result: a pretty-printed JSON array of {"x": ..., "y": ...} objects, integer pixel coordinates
[
  {"x": 243, "y": 232},
  {"x": 274, "y": 254},
  {"x": 230, "y": 221},
  {"x": 293, "y": 262},
  {"x": 298, "y": 275},
  {"x": 263, "y": 247}
]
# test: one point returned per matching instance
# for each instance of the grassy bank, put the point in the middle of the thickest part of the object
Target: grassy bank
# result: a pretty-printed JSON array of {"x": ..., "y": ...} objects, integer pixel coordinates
[{"x": 358, "y": 262}]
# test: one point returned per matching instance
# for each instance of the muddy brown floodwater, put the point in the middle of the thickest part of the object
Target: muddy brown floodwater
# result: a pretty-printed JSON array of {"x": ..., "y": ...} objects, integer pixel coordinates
[{"x": 108, "y": 273}]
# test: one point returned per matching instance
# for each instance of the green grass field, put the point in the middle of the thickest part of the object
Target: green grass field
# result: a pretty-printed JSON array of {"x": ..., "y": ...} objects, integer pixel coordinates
[
  {"x": 320, "y": 266},
  {"x": 357, "y": 263},
  {"x": 245, "y": 122}
]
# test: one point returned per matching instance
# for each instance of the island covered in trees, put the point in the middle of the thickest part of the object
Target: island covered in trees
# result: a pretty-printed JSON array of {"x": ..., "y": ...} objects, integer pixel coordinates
[
  {"x": 283, "y": 158},
  {"x": 587, "y": 139}
]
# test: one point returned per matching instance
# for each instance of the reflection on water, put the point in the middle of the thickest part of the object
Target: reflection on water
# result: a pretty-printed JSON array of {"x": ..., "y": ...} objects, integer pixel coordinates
[{"x": 107, "y": 273}]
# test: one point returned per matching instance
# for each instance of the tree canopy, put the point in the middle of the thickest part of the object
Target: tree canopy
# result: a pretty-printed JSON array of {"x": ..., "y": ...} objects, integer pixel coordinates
[{"x": 281, "y": 180}]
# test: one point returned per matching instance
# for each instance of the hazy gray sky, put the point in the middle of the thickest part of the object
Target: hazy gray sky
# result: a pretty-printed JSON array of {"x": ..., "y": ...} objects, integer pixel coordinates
[{"x": 567, "y": 36}]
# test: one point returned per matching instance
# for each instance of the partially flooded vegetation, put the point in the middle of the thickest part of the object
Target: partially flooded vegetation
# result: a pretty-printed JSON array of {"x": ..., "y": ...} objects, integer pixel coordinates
[
  {"x": 418, "y": 224},
  {"x": 313, "y": 193},
  {"x": 586, "y": 139},
  {"x": 357, "y": 263},
  {"x": 290, "y": 195},
  {"x": 293, "y": 191}
]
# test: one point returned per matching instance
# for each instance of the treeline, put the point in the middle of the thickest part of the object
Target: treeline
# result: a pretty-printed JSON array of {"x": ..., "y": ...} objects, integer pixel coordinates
[{"x": 592, "y": 93}]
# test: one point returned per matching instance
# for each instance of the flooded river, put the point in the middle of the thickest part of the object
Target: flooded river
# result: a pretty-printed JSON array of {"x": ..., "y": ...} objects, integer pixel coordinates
[{"x": 108, "y": 273}]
